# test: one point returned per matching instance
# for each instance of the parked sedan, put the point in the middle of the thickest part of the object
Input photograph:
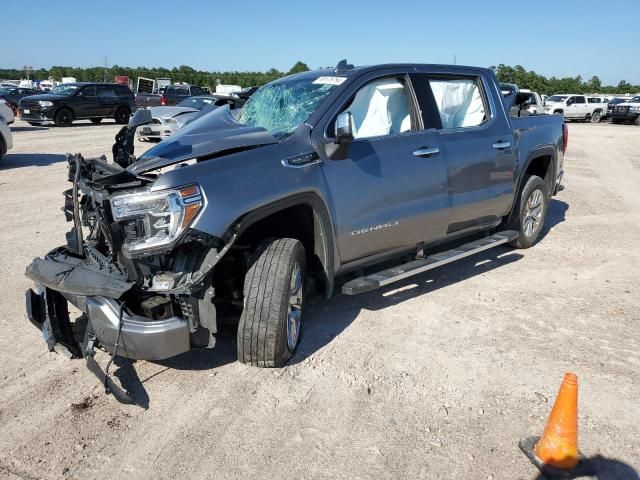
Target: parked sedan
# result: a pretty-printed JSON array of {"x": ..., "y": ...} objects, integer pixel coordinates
[
  {"x": 13, "y": 95},
  {"x": 168, "y": 120}
]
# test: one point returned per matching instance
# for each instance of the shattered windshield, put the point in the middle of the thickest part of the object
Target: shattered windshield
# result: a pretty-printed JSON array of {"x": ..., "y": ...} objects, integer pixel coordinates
[{"x": 282, "y": 106}]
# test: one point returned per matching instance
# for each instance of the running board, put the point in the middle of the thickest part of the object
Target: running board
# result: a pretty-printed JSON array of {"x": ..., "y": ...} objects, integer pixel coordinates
[{"x": 414, "y": 267}]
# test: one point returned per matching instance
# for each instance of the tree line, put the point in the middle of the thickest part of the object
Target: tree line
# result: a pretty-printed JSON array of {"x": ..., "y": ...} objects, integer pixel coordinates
[
  {"x": 518, "y": 75},
  {"x": 549, "y": 86}
]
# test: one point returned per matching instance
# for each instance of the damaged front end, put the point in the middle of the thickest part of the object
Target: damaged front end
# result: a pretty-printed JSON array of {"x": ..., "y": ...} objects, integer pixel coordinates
[{"x": 132, "y": 265}]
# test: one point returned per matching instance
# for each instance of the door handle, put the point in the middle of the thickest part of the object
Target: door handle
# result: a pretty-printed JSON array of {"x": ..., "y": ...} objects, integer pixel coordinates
[
  {"x": 426, "y": 152},
  {"x": 501, "y": 145}
]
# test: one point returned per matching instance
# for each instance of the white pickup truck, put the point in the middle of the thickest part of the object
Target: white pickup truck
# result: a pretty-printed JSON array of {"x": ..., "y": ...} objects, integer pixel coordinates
[
  {"x": 575, "y": 107},
  {"x": 535, "y": 100}
]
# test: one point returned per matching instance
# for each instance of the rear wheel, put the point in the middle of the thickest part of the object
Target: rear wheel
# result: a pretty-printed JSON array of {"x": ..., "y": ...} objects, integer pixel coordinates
[
  {"x": 596, "y": 117},
  {"x": 122, "y": 115},
  {"x": 269, "y": 328},
  {"x": 63, "y": 118},
  {"x": 530, "y": 212},
  {"x": 96, "y": 120}
]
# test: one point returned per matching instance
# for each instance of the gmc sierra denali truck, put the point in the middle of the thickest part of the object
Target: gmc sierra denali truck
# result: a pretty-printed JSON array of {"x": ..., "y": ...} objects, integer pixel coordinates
[{"x": 322, "y": 175}]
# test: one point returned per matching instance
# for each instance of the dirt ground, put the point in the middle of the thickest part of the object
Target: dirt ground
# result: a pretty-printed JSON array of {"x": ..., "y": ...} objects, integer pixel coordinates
[{"x": 437, "y": 377}]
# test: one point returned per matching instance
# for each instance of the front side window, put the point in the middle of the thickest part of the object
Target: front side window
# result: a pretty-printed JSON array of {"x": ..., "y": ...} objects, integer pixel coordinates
[
  {"x": 65, "y": 90},
  {"x": 459, "y": 102},
  {"x": 381, "y": 107},
  {"x": 89, "y": 91},
  {"x": 282, "y": 106},
  {"x": 578, "y": 100}
]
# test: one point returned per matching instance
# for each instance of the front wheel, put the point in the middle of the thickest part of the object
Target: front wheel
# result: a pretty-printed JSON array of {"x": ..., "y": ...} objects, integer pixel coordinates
[
  {"x": 530, "y": 212},
  {"x": 269, "y": 328},
  {"x": 63, "y": 117},
  {"x": 122, "y": 116}
]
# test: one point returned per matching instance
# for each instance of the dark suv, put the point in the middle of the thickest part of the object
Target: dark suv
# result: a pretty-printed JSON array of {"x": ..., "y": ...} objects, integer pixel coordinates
[{"x": 78, "y": 101}]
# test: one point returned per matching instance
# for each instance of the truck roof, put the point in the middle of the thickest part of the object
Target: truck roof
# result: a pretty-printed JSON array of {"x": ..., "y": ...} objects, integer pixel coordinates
[{"x": 358, "y": 70}]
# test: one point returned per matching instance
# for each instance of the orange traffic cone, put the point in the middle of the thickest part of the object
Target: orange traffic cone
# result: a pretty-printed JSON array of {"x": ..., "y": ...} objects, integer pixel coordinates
[
  {"x": 558, "y": 446},
  {"x": 556, "y": 453}
]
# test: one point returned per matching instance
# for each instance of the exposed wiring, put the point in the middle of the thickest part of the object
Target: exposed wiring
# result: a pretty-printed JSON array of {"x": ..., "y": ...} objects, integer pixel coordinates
[{"x": 115, "y": 350}]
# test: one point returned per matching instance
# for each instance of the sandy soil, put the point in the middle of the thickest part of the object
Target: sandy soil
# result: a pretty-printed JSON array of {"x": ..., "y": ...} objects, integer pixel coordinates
[{"x": 437, "y": 377}]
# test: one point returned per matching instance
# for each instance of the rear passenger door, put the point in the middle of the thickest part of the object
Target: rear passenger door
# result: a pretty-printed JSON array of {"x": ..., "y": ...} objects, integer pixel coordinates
[
  {"x": 107, "y": 100},
  {"x": 477, "y": 140}
]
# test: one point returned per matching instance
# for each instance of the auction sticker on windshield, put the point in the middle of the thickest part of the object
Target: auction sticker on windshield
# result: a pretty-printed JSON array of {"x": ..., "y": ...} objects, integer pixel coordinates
[{"x": 329, "y": 80}]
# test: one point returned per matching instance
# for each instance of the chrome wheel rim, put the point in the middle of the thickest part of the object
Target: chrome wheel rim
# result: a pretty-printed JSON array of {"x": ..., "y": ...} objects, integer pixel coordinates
[
  {"x": 533, "y": 210},
  {"x": 294, "y": 312}
]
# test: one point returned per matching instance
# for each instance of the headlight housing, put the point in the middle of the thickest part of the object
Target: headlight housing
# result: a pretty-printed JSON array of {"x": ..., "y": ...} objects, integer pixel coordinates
[
  {"x": 635, "y": 109},
  {"x": 154, "y": 221},
  {"x": 170, "y": 120},
  {"x": 45, "y": 103}
]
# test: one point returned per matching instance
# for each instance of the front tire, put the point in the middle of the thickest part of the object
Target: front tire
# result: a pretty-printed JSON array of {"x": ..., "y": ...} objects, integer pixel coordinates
[
  {"x": 63, "y": 118},
  {"x": 122, "y": 116},
  {"x": 269, "y": 328},
  {"x": 530, "y": 212}
]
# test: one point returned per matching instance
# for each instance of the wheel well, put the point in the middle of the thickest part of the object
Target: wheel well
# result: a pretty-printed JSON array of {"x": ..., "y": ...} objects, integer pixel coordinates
[
  {"x": 542, "y": 167},
  {"x": 292, "y": 222}
]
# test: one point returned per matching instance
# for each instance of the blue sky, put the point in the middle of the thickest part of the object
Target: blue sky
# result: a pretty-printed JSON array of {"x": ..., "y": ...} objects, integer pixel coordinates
[{"x": 561, "y": 37}]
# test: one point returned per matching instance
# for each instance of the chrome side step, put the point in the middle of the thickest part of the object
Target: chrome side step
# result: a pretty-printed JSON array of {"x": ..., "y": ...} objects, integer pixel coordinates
[{"x": 414, "y": 267}]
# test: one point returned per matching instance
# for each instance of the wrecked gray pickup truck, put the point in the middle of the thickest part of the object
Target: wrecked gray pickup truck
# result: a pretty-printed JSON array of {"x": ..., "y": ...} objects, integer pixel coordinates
[{"x": 322, "y": 175}]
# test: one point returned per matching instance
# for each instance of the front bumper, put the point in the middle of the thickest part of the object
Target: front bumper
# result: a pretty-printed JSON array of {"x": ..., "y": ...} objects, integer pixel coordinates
[
  {"x": 36, "y": 114},
  {"x": 63, "y": 278},
  {"x": 625, "y": 116}
]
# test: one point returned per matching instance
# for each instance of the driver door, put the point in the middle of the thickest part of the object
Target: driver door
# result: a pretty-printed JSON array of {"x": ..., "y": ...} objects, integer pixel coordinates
[{"x": 390, "y": 192}]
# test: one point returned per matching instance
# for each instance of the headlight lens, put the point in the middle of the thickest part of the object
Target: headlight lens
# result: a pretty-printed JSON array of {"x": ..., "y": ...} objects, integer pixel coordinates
[
  {"x": 45, "y": 103},
  {"x": 152, "y": 221}
]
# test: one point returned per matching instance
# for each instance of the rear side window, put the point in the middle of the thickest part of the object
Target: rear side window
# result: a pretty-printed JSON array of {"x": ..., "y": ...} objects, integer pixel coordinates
[
  {"x": 122, "y": 90},
  {"x": 459, "y": 102},
  {"x": 105, "y": 91},
  {"x": 177, "y": 91}
]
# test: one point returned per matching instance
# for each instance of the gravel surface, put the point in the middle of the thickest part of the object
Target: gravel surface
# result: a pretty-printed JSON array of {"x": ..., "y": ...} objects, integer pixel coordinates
[{"x": 436, "y": 377}]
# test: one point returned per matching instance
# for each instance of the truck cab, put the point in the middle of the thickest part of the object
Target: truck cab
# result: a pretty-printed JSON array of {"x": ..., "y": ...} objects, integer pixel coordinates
[{"x": 576, "y": 107}]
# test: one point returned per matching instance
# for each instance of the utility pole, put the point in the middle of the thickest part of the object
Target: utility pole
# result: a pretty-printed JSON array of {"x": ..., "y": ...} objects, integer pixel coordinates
[
  {"x": 106, "y": 66},
  {"x": 27, "y": 70}
]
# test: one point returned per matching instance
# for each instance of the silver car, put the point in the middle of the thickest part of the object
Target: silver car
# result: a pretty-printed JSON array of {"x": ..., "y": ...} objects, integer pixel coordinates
[{"x": 168, "y": 120}]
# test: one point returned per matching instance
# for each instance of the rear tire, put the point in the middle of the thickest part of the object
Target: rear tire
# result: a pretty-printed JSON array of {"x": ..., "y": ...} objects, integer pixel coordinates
[
  {"x": 96, "y": 120},
  {"x": 269, "y": 328},
  {"x": 596, "y": 117},
  {"x": 63, "y": 118},
  {"x": 530, "y": 212},
  {"x": 122, "y": 116}
]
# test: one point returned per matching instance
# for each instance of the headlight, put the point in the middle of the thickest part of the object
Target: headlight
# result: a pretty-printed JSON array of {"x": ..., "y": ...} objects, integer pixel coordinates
[
  {"x": 45, "y": 103},
  {"x": 635, "y": 109},
  {"x": 153, "y": 221},
  {"x": 170, "y": 120}
]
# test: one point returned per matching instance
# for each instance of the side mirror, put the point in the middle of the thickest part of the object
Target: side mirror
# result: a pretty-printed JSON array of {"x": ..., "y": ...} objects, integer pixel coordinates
[
  {"x": 344, "y": 129},
  {"x": 141, "y": 117}
]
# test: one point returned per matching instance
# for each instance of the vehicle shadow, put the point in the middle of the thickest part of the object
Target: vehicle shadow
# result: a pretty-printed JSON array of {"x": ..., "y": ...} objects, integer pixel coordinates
[
  {"x": 19, "y": 160},
  {"x": 326, "y": 320},
  {"x": 556, "y": 214},
  {"x": 606, "y": 469},
  {"x": 27, "y": 129},
  {"x": 203, "y": 359}
]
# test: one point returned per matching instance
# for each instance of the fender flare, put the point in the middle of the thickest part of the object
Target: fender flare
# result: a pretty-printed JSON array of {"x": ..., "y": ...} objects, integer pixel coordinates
[
  {"x": 545, "y": 151},
  {"x": 323, "y": 234}
]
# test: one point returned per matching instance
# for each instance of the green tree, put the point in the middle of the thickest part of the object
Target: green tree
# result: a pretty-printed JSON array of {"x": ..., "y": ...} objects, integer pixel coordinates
[{"x": 298, "y": 68}]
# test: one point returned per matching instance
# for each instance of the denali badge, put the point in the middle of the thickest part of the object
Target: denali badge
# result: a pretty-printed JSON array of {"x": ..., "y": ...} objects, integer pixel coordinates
[{"x": 374, "y": 228}]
